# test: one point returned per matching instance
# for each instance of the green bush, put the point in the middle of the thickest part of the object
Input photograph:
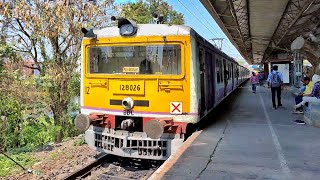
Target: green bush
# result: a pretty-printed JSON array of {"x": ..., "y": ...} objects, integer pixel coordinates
[
  {"x": 21, "y": 150},
  {"x": 69, "y": 129},
  {"x": 39, "y": 132},
  {"x": 10, "y": 122}
]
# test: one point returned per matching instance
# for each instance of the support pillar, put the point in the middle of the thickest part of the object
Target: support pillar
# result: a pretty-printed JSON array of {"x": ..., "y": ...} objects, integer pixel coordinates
[
  {"x": 266, "y": 70},
  {"x": 297, "y": 69}
]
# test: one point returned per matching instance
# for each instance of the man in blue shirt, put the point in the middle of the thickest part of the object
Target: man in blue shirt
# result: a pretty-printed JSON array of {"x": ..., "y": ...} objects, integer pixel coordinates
[{"x": 275, "y": 81}]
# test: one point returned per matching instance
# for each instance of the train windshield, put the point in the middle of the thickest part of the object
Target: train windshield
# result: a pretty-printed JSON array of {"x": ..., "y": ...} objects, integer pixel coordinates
[{"x": 147, "y": 59}]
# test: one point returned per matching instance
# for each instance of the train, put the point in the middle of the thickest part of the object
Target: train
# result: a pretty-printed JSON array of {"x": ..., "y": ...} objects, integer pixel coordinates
[{"x": 143, "y": 85}]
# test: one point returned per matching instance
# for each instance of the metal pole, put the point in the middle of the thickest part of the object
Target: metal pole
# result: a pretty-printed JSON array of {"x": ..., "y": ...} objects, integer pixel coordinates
[
  {"x": 294, "y": 69},
  {"x": 297, "y": 68}
]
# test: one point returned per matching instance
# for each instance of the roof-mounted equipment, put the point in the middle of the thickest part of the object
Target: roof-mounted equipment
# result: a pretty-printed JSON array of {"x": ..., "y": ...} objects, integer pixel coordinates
[
  {"x": 88, "y": 33},
  {"x": 126, "y": 27},
  {"x": 157, "y": 18}
]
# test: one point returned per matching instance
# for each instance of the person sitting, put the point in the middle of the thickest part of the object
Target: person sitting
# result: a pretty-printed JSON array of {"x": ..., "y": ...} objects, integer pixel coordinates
[
  {"x": 315, "y": 94},
  {"x": 145, "y": 67},
  {"x": 305, "y": 90}
]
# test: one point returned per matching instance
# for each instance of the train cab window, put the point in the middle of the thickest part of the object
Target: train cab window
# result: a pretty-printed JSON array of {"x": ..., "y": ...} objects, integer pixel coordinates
[{"x": 134, "y": 60}]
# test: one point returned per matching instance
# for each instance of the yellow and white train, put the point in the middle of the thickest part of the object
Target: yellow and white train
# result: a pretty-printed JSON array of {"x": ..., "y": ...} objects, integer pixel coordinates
[{"x": 143, "y": 85}]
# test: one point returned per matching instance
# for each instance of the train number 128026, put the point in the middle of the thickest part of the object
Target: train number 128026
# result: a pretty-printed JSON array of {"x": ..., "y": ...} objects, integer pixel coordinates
[{"x": 129, "y": 87}]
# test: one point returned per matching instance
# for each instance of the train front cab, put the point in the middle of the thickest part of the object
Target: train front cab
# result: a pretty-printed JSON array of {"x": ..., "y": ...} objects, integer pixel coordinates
[{"x": 115, "y": 70}]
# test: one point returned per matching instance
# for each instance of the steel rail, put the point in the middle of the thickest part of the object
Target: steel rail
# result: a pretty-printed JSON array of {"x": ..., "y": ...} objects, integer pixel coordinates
[{"x": 84, "y": 171}]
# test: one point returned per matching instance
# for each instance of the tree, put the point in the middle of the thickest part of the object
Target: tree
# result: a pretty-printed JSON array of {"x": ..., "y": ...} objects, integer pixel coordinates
[
  {"x": 49, "y": 33},
  {"x": 142, "y": 11}
]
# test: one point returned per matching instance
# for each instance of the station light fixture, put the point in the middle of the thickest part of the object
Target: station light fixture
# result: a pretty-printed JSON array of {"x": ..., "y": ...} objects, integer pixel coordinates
[{"x": 126, "y": 27}]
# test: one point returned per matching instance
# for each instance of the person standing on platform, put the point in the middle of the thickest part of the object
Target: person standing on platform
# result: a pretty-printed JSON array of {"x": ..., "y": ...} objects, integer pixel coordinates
[
  {"x": 261, "y": 78},
  {"x": 275, "y": 81},
  {"x": 254, "y": 81}
]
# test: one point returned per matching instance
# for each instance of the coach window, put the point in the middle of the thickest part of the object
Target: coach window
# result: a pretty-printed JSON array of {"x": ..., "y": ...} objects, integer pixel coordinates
[
  {"x": 135, "y": 60},
  {"x": 228, "y": 71}
]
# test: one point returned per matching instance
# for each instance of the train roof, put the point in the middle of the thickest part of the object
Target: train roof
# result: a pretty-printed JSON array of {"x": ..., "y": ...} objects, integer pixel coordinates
[
  {"x": 147, "y": 30},
  {"x": 155, "y": 30}
]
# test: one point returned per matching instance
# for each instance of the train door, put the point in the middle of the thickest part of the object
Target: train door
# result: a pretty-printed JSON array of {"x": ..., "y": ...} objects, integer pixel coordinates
[
  {"x": 219, "y": 82},
  {"x": 225, "y": 77},
  {"x": 232, "y": 75},
  {"x": 202, "y": 82},
  {"x": 237, "y": 75},
  {"x": 209, "y": 67}
]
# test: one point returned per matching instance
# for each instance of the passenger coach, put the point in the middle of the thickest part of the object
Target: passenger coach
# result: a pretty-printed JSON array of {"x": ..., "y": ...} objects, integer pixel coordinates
[{"x": 143, "y": 85}]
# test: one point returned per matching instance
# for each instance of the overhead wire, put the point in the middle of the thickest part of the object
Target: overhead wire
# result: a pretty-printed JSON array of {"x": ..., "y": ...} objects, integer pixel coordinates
[
  {"x": 227, "y": 45},
  {"x": 199, "y": 20}
]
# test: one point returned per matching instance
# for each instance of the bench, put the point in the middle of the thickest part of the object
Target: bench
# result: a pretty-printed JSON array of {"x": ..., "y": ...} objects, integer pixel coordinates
[{"x": 312, "y": 113}]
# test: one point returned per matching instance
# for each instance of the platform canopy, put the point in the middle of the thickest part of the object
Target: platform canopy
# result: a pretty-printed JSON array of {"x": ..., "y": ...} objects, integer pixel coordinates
[{"x": 263, "y": 29}]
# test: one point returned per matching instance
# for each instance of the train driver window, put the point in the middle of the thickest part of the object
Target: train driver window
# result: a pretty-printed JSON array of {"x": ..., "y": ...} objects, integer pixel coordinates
[
  {"x": 145, "y": 67},
  {"x": 134, "y": 60}
]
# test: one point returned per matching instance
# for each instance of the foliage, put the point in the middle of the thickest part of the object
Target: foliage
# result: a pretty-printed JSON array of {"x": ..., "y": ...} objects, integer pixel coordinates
[
  {"x": 46, "y": 37},
  {"x": 48, "y": 34},
  {"x": 79, "y": 142},
  {"x": 5, "y": 52},
  {"x": 8, "y": 167},
  {"x": 39, "y": 132},
  {"x": 10, "y": 124},
  {"x": 142, "y": 11},
  {"x": 24, "y": 122},
  {"x": 74, "y": 87}
]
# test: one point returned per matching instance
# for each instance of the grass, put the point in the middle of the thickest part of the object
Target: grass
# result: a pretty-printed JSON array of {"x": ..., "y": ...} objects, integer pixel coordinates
[
  {"x": 8, "y": 167},
  {"x": 53, "y": 155},
  {"x": 79, "y": 142}
]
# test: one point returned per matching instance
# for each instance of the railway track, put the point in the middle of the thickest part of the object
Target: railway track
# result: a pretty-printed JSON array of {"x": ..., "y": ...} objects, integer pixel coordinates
[
  {"x": 86, "y": 170},
  {"x": 111, "y": 167}
]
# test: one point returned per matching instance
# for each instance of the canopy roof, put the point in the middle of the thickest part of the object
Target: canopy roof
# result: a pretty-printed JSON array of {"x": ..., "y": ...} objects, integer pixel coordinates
[{"x": 261, "y": 29}]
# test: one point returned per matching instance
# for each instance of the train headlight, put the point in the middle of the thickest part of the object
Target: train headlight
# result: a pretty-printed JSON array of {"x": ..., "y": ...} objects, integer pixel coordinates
[
  {"x": 127, "y": 103},
  {"x": 127, "y": 30},
  {"x": 126, "y": 27}
]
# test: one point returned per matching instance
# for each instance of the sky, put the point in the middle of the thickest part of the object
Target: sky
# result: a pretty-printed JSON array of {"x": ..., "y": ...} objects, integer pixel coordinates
[{"x": 198, "y": 18}]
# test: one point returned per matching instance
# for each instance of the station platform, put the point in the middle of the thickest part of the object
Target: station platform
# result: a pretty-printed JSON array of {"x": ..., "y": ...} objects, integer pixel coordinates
[{"x": 246, "y": 139}]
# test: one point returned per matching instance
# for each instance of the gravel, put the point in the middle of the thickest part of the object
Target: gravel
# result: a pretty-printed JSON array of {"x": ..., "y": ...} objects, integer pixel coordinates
[
  {"x": 122, "y": 168},
  {"x": 60, "y": 160}
]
